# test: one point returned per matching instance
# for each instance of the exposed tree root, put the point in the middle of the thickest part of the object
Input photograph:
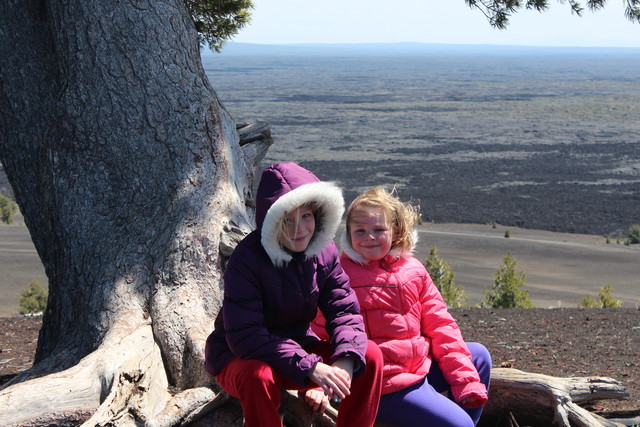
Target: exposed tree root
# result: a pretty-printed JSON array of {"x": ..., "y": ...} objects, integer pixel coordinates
[{"x": 123, "y": 381}]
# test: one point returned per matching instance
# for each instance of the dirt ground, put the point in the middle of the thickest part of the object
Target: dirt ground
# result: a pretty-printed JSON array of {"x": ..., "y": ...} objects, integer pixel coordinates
[{"x": 566, "y": 342}]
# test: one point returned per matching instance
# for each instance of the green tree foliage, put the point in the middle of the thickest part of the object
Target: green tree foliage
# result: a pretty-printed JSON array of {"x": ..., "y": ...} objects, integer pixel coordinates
[
  {"x": 8, "y": 209},
  {"x": 589, "y": 302},
  {"x": 499, "y": 11},
  {"x": 606, "y": 299},
  {"x": 218, "y": 20},
  {"x": 634, "y": 233},
  {"x": 506, "y": 291},
  {"x": 443, "y": 277},
  {"x": 33, "y": 299}
]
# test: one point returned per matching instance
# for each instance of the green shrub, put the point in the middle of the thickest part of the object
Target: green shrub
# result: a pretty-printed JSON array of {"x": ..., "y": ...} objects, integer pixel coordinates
[
  {"x": 506, "y": 291},
  {"x": 8, "y": 209},
  {"x": 507, "y": 234},
  {"x": 33, "y": 299},
  {"x": 605, "y": 299},
  {"x": 443, "y": 277},
  {"x": 588, "y": 302},
  {"x": 634, "y": 233}
]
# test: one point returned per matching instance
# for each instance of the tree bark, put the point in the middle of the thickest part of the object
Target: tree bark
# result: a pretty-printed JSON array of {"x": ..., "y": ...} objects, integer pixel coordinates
[
  {"x": 130, "y": 175},
  {"x": 551, "y": 400}
]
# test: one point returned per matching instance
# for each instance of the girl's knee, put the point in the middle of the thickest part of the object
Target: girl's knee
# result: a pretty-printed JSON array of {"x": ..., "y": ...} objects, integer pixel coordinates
[
  {"x": 482, "y": 361},
  {"x": 479, "y": 353},
  {"x": 373, "y": 355},
  {"x": 254, "y": 373}
]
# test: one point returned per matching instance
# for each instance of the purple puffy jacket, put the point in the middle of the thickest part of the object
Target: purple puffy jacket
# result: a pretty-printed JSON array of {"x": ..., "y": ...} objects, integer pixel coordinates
[{"x": 272, "y": 295}]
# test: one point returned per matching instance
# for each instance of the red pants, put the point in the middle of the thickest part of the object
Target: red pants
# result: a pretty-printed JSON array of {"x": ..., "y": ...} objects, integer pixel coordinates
[{"x": 258, "y": 388}]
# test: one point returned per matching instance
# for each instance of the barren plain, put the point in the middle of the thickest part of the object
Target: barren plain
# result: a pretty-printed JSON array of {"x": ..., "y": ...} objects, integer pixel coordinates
[{"x": 545, "y": 139}]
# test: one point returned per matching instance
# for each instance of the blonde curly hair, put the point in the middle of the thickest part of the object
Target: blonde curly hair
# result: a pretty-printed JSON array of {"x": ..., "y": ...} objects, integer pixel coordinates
[{"x": 402, "y": 217}]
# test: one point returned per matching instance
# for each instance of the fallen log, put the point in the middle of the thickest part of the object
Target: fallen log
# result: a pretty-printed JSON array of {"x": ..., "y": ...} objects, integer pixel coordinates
[
  {"x": 541, "y": 400},
  {"x": 514, "y": 394},
  {"x": 551, "y": 400}
]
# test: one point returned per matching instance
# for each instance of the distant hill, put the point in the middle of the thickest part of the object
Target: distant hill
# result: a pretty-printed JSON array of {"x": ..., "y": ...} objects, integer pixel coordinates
[{"x": 403, "y": 49}]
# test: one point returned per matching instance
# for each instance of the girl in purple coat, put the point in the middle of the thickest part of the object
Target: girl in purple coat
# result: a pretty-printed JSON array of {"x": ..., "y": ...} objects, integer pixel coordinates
[{"x": 276, "y": 280}]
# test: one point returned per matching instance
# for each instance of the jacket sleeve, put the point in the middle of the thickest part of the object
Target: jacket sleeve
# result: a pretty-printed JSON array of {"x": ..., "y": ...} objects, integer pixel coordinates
[
  {"x": 341, "y": 310},
  {"x": 447, "y": 345},
  {"x": 246, "y": 334}
]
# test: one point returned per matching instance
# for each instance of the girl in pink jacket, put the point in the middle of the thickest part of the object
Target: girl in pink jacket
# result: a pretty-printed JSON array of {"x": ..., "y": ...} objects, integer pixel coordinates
[{"x": 404, "y": 313}]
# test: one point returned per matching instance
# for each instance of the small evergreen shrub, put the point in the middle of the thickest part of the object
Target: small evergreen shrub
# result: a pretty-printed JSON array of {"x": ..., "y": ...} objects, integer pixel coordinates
[
  {"x": 507, "y": 234},
  {"x": 634, "y": 234},
  {"x": 33, "y": 299},
  {"x": 8, "y": 209},
  {"x": 443, "y": 277},
  {"x": 588, "y": 302},
  {"x": 605, "y": 299},
  {"x": 507, "y": 291}
]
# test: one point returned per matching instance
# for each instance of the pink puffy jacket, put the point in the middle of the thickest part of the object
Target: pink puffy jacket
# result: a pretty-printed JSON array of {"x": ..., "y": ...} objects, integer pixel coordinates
[{"x": 405, "y": 315}]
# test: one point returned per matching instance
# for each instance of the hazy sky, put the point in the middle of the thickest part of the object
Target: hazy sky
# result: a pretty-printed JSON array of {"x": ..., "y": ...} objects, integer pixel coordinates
[{"x": 432, "y": 21}]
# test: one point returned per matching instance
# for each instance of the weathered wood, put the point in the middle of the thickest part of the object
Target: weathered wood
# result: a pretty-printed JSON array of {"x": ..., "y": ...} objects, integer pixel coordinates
[{"x": 551, "y": 398}]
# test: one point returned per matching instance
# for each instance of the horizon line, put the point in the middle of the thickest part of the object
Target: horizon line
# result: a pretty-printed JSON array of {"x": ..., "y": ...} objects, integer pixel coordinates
[{"x": 232, "y": 47}]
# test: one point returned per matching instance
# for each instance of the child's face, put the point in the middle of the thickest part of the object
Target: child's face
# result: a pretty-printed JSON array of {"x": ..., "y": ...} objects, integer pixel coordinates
[
  {"x": 299, "y": 226},
  {"x": 370, "y": 232}
]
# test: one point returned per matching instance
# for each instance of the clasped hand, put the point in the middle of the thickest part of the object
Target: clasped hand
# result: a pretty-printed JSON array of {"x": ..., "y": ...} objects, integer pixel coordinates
[{"x": 334, "y": 380}]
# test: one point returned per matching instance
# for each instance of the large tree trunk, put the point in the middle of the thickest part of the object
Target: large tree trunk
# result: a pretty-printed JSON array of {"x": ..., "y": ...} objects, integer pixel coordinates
[{"x": 129, "y": 174}]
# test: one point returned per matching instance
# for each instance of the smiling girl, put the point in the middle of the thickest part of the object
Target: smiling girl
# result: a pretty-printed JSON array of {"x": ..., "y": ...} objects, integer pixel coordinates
[{"x": 404, "y": 313}]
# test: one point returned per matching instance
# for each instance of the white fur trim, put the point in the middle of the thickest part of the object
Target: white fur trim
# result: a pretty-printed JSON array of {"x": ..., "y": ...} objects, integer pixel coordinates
[{"x": 329, "y": 198}]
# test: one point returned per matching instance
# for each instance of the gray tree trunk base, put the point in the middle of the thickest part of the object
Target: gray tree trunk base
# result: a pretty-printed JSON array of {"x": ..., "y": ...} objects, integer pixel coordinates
[{"x": 129, "y": 379}]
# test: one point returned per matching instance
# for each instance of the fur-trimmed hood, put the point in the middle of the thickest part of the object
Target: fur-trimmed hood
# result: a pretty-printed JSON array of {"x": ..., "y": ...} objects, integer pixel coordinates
[{"x": 285, "y": 186}]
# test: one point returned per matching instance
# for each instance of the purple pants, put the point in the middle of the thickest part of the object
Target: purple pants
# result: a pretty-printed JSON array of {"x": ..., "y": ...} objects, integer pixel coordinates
[{"x": 422, "y": 404}]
